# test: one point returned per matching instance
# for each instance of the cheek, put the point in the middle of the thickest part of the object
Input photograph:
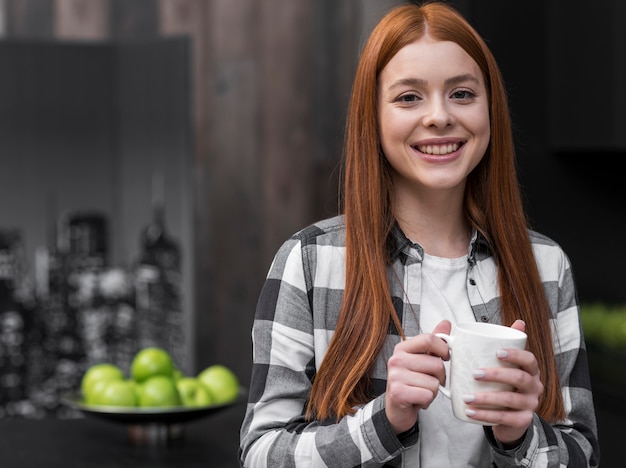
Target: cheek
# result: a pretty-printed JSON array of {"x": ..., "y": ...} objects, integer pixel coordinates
[
  {"x": 480, "y": 125},
  {"x": 485, "y": 136},
  {"x": 485, "y": 123},
  {"x": 393, "y": 129}
]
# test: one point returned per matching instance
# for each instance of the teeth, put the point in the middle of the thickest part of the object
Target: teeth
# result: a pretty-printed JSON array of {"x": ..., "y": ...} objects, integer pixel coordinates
[{"x": 439, "y": 149}]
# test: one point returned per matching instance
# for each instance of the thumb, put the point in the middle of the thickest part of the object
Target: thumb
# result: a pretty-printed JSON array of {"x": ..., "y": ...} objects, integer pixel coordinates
[
  {"x": 519, "y": 325},
  {"x": 443, "y": 327}
]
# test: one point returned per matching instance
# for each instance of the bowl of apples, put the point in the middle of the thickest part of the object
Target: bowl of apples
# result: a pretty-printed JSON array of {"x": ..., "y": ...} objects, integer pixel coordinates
[{"x": 155, "y": 397}]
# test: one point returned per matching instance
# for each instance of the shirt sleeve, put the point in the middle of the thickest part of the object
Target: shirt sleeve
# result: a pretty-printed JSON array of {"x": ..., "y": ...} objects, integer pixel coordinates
[
  {"x": 573, "y": 441},
  {"x": 274, "y": 432}
]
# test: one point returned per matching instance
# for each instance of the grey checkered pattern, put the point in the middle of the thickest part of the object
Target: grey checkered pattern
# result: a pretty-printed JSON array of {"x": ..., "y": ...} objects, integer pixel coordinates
[{"x": 297, "y": 312}]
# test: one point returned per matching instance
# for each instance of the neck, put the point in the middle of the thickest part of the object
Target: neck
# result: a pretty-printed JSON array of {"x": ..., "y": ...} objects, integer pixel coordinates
[
  {"x": 440, "y": 228},
  {"x": 445, "y": 243}
]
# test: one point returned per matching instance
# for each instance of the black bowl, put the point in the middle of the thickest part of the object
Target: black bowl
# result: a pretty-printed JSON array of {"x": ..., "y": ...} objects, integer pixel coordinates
[{"x": 168, "y": 416}]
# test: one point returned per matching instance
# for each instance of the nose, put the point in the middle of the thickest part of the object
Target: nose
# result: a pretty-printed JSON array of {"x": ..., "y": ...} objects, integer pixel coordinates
[{"x": 437, "y": 113}]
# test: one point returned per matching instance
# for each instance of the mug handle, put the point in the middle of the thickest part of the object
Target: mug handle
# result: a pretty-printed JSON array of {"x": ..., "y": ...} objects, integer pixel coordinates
[{"x": 448, "y": 339}]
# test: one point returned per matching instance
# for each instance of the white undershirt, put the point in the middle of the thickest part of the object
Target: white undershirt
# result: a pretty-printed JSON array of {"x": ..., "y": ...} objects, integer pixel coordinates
[{"x": 444, "y": 439}]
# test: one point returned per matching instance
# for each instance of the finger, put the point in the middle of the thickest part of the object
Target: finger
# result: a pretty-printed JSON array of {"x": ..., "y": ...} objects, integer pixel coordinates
[
  {"x": 408, "y": 367},
  {"x": 507, "y": 408},
  {"x": 413, "y": 389},
  {"x": 425, "y": 344},
  {"x": 521, "y": 418},
  {"x": 520, "y": 358},
  {"x": 520, "y": 379},
  {"x": 519, "y": 325},
  {"x": 443, "y": 327}
]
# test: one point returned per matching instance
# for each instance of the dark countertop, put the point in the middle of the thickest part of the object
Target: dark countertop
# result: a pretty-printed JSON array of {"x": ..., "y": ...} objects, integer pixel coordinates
[
  {"x": 210, "y": 442},
  {"x": 90, "y": 442}
]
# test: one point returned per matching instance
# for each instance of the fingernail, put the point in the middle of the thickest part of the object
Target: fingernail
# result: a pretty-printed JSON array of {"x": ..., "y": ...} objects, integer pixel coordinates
[
  {"x": 478, "y": 374},
  {"x": 468, "y": 397},
  {"x": 501, "y": 353},
  {"x": 470, "y": 412}
]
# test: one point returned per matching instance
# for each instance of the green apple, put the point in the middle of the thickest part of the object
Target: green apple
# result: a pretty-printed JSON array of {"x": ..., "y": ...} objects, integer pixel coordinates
[
  {"x": 177, "y": 374},
  {"x": 158, "y": 391},
  {"x": 221, "y": 382},
  {"x": 96, "y": 375},
  {"x": 192, "y": 393},
  {"x": 92, "y": 397},
  {"x": 149, "y": 362},
  {"x": 117, "y": 393}
]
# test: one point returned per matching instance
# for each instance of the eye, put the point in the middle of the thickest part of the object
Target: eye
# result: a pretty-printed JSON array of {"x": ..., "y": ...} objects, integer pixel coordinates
[
  {"x": 463, "y": 95},
  {"x": 408, "y": 98}
]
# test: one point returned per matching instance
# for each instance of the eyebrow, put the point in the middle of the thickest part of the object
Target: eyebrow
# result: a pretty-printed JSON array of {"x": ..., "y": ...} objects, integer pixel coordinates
[{"x": 453, "y": 80}]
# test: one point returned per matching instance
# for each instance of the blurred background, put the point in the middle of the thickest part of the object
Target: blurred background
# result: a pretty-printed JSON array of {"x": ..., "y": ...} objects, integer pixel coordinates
[{"x": 155, "y": 154}]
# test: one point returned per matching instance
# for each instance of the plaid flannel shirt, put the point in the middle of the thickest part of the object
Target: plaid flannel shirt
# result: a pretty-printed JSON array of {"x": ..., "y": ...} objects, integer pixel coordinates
[{"x": 297, "y": 313}]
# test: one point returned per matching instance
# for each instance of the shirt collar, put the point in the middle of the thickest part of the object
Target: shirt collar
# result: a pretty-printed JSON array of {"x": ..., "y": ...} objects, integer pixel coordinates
[{"x": 399, "y": 245}]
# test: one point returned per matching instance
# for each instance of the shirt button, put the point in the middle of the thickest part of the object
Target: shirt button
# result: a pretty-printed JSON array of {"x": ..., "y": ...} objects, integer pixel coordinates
[
  {"x": 472, "y": 282},
  {"x": 484, "y": 318}
]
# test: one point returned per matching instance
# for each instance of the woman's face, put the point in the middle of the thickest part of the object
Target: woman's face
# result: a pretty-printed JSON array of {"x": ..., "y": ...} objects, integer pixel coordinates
[{"x": 433, "y": 116}]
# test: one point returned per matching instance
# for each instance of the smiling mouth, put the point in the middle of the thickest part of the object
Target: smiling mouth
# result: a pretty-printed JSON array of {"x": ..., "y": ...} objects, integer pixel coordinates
[{"x": 439, "y": 149}]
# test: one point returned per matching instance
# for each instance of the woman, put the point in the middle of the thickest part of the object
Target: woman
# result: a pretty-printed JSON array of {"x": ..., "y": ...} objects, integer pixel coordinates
[{"x": 346, "y": 365}]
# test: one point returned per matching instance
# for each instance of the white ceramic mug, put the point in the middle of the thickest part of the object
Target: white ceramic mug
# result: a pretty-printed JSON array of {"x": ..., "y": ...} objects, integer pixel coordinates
[{"x": 473, "y": 345}]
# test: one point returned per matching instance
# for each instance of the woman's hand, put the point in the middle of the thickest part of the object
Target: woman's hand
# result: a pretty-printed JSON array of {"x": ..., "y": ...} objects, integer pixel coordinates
[
  {"x": 415, "y": 371},
  {"x": 521, "y": 403}
]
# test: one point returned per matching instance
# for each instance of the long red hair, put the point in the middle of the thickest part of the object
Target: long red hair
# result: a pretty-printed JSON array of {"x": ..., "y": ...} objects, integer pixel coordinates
[{"x": 493, "y": 206}]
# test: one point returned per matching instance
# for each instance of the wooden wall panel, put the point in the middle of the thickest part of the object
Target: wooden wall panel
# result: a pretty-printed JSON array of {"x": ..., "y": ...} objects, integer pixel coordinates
[
  {"x": 82, "y": 19},
  {"x": 136, "y": 19},
  {"x": 3, "y": 18},
  {"x": 269, "y": 83},
  {"x": 188, "y": 18},
  {"x": 30, "y": 18},
  {"x": 228, "y": 200},
  {"x": 287, "y": 51}
]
